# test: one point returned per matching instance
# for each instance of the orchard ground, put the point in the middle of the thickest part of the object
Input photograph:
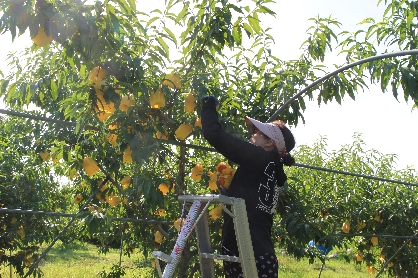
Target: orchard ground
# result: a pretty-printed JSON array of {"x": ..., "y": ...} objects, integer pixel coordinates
[{"x": 82, "y": 260}]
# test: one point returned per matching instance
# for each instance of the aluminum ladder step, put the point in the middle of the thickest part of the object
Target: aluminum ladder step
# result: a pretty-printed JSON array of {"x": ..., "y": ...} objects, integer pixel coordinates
[{"x": 221, "y": 257}]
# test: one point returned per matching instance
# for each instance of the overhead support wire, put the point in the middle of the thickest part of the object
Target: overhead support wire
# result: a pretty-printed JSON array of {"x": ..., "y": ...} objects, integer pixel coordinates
[
  {"x": 351, "y": 65},
  {"x": 176, "y": 143},
  {"x": 374, "y": 235},
  {"x": 63, "y": 214},
  {"x": 300, "y": 165},
  {"x": 354, "y": 174},
  {"x": 45, "y": 119},
  {"x": 134, "y": 220}
]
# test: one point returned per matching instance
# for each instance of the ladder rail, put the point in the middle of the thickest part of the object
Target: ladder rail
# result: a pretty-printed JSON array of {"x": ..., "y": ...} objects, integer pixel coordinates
[
  {"x": 180, "y": 242},
  {"x": 197, "y": 217},
  {"x": 242, "y": 233},
  {"x": 193, "y": 217}
]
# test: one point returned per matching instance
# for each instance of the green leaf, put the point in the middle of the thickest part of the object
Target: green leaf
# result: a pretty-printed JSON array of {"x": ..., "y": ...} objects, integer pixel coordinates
[
  {"x": 409, "y": 19},
  {"x": 110, "y": 9},
  {"x": 12, "y": 28},
  {"x": 4, "y": 86},
  {"x": 337, "y": 95},
  {"x": 11, "y": 92},
  {"x": 123, "y": 6},
  {"x": 368, "y": 20},
  {"x": 152, "y": 20},
  {"x": 182, "y": 13},
  {"x": 235, "y": 8},
  {"x": 33, "y": 87},
  {"x": 132, "y": 4},
  {"x": 265, "y": 10},
  {"x": 237, "y": 32},
  {"x": 158, "y": 11},
  {"x": 66, "y": 152},
  {"x": 42, "y": 96},
  {"x": 254, "y": 22},
  {"x": 54, "y": 90},
  {"x": 248, "y": 29},
  {"x": 260, "y": 53},
  {"x": 162, "y": 51},
  {"x": 79, "y": 126},
  {"x": 139, "y": 71},
  {"x": 147, "y": 185},
  {"x": 23, "y": 92},
  {"x": 171, "y": 35}
]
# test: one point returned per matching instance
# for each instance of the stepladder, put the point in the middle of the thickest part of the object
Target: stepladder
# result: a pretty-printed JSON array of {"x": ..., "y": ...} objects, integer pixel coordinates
[{"x": 197, "y": 219}]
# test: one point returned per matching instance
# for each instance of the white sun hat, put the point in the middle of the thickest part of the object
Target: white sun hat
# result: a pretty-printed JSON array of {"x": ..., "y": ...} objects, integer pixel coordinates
[{"x": 271, "y": 130}]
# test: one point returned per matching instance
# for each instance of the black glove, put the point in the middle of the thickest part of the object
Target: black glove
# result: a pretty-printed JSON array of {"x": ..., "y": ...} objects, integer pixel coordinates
[{"x": 210, "y": 98}]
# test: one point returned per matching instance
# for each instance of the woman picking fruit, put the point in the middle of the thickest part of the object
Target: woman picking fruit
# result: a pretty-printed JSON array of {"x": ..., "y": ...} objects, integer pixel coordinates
[{"x": 258, "y": 180}]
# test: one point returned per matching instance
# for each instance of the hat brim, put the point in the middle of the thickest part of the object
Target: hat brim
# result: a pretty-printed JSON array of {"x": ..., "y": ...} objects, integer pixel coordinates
[
  {"x": 269, "y": 129},
  {"x": 253, "y": 124},
  {"x": 250, "y": 125}
]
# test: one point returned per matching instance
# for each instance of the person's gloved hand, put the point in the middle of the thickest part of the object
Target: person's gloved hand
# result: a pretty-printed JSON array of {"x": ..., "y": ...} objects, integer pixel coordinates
[
  {"x": 210, "y": 98},
  {"x": 206, "y": 99}
]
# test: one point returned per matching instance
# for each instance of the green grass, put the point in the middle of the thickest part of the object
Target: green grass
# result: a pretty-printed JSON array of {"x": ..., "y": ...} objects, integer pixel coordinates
[
  {"x": 334, "y": 268},
  {"x": 82, "y": 260}
]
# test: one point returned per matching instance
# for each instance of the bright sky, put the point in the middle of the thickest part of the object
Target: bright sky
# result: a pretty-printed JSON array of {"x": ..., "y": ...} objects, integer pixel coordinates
[{"x": 385, "y": 124}]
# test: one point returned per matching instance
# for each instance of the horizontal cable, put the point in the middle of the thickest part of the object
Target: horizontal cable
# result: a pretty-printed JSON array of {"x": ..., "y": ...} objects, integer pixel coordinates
[
  {"x": 357, "y": 63},
  {"x": 373, "y": 235},
  {"x": 45, "y": 119},
  {"x": 62, "y": 214},
  {"x": 176, "y": 143},
  {"x": 353, "y": 174}
]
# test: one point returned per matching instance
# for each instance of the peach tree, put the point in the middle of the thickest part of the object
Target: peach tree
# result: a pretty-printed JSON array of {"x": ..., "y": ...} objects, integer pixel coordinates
[{"x": 129, "y": 82}]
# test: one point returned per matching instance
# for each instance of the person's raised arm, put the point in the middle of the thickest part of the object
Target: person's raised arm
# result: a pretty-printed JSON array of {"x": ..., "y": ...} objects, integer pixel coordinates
[{"x": 233, "y": 148}]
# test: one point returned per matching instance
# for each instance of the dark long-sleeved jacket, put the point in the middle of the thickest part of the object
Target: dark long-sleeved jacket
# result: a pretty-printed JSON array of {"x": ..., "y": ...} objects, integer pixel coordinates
[{"x": 257, "y": 180}]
